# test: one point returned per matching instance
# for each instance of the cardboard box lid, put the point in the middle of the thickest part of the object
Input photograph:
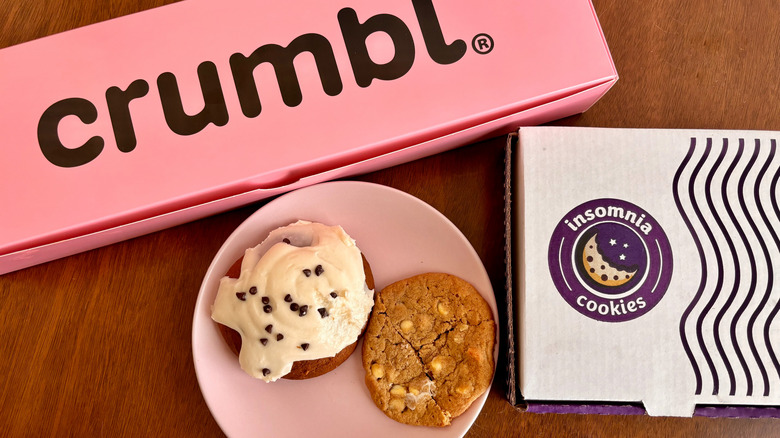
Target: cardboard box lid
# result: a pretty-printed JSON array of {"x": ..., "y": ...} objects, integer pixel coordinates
[
  {"x": 452, "y": 66},
  {"x": 688, "y": 219}
]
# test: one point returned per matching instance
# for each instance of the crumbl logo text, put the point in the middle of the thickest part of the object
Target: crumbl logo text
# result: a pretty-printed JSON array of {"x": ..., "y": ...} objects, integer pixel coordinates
[
  {"x": 610, "y": 260},
  {"x": 355, "y": 32}
]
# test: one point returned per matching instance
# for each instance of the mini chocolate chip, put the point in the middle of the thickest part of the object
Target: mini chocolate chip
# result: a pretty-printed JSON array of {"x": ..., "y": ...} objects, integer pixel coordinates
[
  {"x": 318, "y": 270},
  {"x": 305, "y": 346},
  {"x": 286, "y": 240},
  {"x": 263, "y": 341},
  {"x": 323, "y": 312},
  {"x": 267, "y": 308},
  {"x": 294, "y": 307},
  {"x": 266, "y": 371},
  {"x": 307, "y": 272},
  {"x": 269, "y": 328},
  {"x": 303, "y": 310},
  {"x": 279, "y": 337},
  {"x": 334, "y": 294},
  {"x": 252, "y": 290},
  {"x": 288, "y": 298},
  {"x": 241, "y": 296},
  {"x": 266, "y": 300}
]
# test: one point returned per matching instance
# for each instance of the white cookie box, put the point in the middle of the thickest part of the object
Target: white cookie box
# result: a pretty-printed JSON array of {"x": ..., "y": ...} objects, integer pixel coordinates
[{"x": 695, "y": 330}]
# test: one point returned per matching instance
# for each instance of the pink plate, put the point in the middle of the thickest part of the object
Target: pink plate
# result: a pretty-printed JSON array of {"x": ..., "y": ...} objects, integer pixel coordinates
[{"x": 401, "y": 236}]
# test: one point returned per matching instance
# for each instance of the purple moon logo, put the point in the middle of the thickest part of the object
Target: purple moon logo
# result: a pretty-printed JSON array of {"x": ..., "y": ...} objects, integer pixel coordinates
[{"x": 610, "y": 260}]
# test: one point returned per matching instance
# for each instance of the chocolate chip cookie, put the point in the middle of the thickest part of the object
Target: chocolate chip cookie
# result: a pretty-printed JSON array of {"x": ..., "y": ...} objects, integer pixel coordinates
[{"x": 428, "y": 349}]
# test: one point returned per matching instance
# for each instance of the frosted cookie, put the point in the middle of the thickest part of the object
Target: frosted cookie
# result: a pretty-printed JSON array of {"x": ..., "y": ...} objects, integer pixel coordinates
[
  {"x": 299, "y": 304},
  {"x": 428, "y": 349}
]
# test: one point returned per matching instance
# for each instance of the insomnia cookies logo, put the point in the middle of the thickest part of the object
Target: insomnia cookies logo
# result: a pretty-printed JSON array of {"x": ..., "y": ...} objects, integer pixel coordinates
[{"x": 610, "y": 260}]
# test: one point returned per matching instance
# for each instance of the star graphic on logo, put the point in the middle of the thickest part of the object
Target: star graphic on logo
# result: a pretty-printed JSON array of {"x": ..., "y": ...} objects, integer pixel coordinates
[
  {"x": 612, "y": 242},
  {"x": 622, "y": 256},
  {"x": 625, "y": 245}
]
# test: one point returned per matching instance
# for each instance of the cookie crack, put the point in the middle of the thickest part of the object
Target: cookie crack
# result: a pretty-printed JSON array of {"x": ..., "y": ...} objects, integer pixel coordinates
[
  {"x": 411, "y": 345},
  {"x": 446, "y": 332},
  {"x": 420, "y": 360}
]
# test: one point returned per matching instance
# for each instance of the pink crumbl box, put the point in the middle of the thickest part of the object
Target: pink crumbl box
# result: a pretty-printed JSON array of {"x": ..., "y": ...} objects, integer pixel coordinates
[
  {"x": 150, "y": 120},
  {"x": 646, "y": 271}
]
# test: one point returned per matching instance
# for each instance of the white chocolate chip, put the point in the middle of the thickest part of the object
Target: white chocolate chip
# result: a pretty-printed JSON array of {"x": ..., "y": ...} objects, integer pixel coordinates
[
  {"x": 442, "y": 309},
  {"x": 378, "y": 371},
  {"x": 398, "y": 390},
  {"x": 407, "y": 326},
  {"x": 463, "y": 390},
  {"x": 397, "y": 404},
  {"x": 436, "y": 364}
]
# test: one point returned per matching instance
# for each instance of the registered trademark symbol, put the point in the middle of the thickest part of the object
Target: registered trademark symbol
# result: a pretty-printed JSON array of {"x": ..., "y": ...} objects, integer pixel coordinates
[{"x": 482, "y": 43}]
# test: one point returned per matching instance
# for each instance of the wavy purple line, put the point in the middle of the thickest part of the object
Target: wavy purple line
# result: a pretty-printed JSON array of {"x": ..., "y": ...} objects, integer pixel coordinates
[
  {"x": 767, "y": 257},
  {"x": 697, "y": 297},
  {"x": 737, "y": 269},
  {"x": 773, "y": 313},
  {"x": 719, "y": 258},
  {"x": 732, "y": 252},
  {"x": 711, "y": 238},
  {"x": 751, "y": 263}
]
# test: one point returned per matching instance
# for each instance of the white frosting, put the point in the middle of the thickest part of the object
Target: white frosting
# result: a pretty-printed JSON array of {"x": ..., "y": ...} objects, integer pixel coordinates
[{"x": 277, "y": 269}]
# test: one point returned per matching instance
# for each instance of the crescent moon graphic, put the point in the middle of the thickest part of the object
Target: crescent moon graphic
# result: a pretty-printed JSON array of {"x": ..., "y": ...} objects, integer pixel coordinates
[{"x": 599, "y": 269}]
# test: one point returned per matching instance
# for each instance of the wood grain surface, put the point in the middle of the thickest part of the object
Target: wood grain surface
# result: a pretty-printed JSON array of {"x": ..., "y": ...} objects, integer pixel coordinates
[{"x": 98, "y": 344}]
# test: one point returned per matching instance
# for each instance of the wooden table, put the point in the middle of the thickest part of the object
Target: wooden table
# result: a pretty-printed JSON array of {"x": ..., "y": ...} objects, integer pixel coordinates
[{"x": 98, "y": 344}]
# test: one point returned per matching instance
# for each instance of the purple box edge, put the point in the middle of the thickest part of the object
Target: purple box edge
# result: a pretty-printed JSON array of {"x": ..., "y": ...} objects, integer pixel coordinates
[{"x": 701, "y": 411}]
